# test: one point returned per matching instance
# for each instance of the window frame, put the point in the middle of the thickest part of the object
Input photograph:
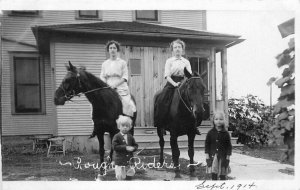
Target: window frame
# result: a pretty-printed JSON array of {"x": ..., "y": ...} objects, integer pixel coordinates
[
  {"x": 20, "y": 14},
  {"x": 98, "y": 17},
  {"x": 41, "y": 82},
  {"x": 198, "y": 68},
  {"x": 130, "y": 67},
  {"x": 158, "y": 20}
]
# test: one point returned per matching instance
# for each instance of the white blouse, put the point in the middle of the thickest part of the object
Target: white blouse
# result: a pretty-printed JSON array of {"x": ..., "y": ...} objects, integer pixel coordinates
[
  {"x": 175, "y": 66},
  {"x": 112, "y": 71}
]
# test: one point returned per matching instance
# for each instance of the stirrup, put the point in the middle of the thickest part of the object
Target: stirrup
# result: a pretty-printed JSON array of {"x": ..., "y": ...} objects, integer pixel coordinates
[{"x": 197, "y": 132}]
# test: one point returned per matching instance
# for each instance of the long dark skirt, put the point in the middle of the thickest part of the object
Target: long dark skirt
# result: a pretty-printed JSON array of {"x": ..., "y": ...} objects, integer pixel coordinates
[{"x": 163, "y": 103}]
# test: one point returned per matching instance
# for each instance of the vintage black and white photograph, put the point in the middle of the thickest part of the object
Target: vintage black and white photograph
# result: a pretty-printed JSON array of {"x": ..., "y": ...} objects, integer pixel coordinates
[{"x": 191, "y": 95}]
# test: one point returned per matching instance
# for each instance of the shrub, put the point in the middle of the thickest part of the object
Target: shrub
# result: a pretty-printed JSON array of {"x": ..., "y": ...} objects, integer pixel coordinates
[{"x": 249, "y": 120}]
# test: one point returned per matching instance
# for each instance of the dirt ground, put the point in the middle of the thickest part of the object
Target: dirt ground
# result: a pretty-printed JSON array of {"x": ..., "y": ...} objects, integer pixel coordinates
[{"x": 74, "y": 166}]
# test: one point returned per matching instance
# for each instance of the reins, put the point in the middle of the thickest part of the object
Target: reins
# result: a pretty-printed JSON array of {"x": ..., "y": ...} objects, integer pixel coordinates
[
  {"x": 69, "y": 97},
  {"x": 187, "y": 107}
]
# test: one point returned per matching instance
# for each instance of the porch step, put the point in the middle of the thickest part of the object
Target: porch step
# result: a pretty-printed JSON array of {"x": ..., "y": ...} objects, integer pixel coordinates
[
  {"x": 154, "y": 142},
  {"x": 147, "y": 138},
  {"x": 196, "y": 147}
]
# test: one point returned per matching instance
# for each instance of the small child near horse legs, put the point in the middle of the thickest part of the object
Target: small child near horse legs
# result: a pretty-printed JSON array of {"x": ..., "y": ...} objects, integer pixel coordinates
[
  {"x": 218, "y": 148},
  {"x": 123, "y": 145}
]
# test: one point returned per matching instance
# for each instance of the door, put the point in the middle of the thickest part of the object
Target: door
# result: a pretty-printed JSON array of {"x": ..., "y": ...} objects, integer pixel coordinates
[{"x": 146, "y": 70}]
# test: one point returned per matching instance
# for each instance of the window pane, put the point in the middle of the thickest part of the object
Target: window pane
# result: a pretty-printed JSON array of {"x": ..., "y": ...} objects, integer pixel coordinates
[
  {"x": 28, "y": 98},
  {"x": 135, "y": 66},
  {"x": 146, "y": 15},
  {"x": 27, "y": 85},
  {"x": 88, "y": 14},
  {"x": 25, "y": 12},
  {"x": 203, "y": 68},
  {"x": 194, "y": 64},
  {"x": 27, "y": 70},
  {"x": 199, "y": 65}
]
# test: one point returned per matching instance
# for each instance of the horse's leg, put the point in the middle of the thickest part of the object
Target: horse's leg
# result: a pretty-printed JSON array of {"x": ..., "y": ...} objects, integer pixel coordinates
[
  {"x": 191, "y": 138},
  {"x": 160, "y": 133},
  {"x": 111, "y": 134},
  {"x": 175, "y": 154},
  {"x": 131, "y": 131},
  {"x": 100, "y": 137}
]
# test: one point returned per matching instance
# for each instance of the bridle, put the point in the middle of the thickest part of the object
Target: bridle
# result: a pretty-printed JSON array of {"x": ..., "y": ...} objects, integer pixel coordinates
[
  {"x": 69, "y": 96},
  {"x": 189, "y": 108}
]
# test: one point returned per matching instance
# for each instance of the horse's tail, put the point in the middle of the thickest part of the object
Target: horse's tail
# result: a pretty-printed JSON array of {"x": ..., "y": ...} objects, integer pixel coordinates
[{"x": 155, "y": 98}]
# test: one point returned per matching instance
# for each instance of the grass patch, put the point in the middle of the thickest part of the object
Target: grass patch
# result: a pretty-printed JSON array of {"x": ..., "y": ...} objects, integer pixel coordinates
[{"x": 38, "y": 167}]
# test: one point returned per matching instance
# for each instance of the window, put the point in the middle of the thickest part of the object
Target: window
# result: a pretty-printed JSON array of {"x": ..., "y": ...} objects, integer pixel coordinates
[
  {"x": 147, "y": 15},
  {"x": 200, "y": 65},
  {"x": 135, "y": 66},
  {"x": 29, "y": 13},
  {"x": 28, "y": 85},
  {"x": 88, "y": 14}
]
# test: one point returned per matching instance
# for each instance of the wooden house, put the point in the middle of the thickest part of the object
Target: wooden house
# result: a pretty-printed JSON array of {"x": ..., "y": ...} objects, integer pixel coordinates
[{"x": 36, "y": 45}]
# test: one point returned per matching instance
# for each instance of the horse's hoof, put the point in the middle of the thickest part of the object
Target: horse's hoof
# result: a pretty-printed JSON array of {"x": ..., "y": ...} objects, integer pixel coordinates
[
  {"x": 177, "y": 173},
  {"x": 193, "y": 178},
  {"x": 193, "y": 174},
  {"x": 177, "y": 176},
  {"x": 100, "y": 178}
]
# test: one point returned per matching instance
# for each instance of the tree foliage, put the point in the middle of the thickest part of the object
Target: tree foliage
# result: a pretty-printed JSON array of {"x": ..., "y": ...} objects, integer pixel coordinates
[
  {"x": 249, "y": 119},
  {"x": 284, "y": 110}
]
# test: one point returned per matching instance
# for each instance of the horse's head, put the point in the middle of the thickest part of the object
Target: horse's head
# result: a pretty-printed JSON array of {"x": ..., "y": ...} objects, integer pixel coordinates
[
  {"x": 70, "y": 86},
  {"x": 193, "y": 89}
]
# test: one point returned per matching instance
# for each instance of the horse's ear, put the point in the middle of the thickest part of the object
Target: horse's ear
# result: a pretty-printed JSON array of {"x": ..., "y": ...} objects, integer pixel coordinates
[
  {"x": 71, "y": 67},
  {"x": 203, "y": 74},
  {"x": 187, "y": 73}
]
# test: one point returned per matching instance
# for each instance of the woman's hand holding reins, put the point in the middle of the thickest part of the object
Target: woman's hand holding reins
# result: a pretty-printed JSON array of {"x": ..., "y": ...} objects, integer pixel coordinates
[{"x": 176, "y": 84}]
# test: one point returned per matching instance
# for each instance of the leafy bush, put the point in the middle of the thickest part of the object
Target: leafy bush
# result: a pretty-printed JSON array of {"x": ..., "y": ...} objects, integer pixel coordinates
[{"x": 249, "y": 119}]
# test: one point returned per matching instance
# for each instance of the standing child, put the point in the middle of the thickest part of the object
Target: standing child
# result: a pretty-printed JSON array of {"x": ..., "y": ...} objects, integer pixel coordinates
[
  {"x": 123, "y": 145},
  {"x": 218, "y": 148}
]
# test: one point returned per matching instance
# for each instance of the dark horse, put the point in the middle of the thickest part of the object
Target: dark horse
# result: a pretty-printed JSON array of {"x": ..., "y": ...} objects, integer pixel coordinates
[
  {"x": 185, "y": 113},
  {"x": 106, "y": 102}
]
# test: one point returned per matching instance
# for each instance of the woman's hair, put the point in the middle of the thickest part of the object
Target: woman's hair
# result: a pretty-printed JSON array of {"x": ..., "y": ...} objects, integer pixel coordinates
[
  {"x": 125, "y": 120},
  {"x": 118, "y": 45},
  {"x": 218, "y": 113},
  {"x": 179, "y": 42}
]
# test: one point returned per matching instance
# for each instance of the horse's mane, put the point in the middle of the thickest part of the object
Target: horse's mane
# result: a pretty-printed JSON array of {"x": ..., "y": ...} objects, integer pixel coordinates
[
  {"x": 91, "y": 79},
  {"x": 102, "y": 100}
]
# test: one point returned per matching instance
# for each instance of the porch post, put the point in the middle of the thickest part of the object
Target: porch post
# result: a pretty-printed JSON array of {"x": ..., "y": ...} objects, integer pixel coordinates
[
  {"x": 225, "y": 83},
  {"x": 212, "y": 80}
]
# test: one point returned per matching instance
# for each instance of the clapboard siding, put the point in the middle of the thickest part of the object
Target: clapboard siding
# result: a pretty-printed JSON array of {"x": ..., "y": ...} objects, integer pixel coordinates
[
  {"x": 23, "y": 124},
  {"x": 19, "y": 28},
  {"x": 74, "y": 118},
  {"x": 188, "y": 19},
  {"x": 117, "y": 15},
  {"x": 60, "y": 120}
]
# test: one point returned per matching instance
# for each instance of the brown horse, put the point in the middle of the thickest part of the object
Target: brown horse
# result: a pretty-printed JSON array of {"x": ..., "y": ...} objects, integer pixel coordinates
[
  {"x": 185, "y": 113},
  {"x": 106, "y": 102}
]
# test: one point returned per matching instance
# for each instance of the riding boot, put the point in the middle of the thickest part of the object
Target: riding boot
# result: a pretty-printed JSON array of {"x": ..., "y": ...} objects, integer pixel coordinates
[
  {"x": 92, "y": 135},
  {"x": 197, "y": 131}
]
